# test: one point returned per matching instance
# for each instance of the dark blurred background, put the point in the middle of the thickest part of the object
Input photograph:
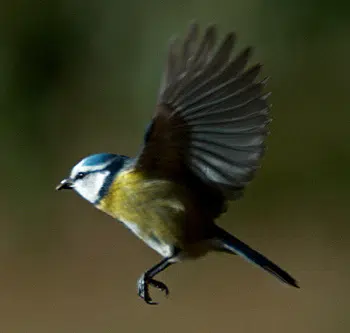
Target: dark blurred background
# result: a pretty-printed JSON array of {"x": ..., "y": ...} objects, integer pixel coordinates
[{"x": 79, "y": 77}]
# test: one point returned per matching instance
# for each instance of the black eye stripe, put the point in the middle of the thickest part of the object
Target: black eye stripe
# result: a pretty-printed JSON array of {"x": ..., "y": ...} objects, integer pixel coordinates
[
  {"x": 83, "y": 174},
  {"x": 80, "y": 175}
]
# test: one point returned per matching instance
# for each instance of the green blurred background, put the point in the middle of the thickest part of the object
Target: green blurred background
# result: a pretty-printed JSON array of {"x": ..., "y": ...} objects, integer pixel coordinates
[{"x": 79, "y": 77}]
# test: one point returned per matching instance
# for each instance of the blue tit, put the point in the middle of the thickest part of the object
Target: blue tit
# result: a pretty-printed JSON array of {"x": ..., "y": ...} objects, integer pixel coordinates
[{"x": 200, "y": 151}]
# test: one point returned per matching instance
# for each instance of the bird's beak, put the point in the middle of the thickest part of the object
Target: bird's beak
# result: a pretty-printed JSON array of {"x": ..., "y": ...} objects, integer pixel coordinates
[{"x": 65, "y": 184}]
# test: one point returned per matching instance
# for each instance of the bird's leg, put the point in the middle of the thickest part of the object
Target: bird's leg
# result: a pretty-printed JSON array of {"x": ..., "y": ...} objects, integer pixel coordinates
[{"x": 147, "y": 280}]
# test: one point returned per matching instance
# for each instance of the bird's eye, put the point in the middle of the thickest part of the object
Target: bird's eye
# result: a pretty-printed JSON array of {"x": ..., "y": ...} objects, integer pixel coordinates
[{"x": 80, "y": 175}]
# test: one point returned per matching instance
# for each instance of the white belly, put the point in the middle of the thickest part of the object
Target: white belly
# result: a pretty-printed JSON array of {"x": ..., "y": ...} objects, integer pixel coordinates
[{"x": 164, "y": 250}]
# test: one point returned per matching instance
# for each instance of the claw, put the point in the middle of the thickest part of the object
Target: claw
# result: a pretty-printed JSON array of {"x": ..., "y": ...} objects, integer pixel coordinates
[
  {"x": 159, "y": 285},
  {"x": 143, "y": 288}
]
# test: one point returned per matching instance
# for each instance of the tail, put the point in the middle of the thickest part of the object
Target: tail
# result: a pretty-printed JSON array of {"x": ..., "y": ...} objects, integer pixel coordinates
[{"x": 230, "y": 243}]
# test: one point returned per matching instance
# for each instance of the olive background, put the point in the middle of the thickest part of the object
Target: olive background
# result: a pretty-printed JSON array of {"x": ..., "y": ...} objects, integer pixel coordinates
[{"x": 80, "y": 77}]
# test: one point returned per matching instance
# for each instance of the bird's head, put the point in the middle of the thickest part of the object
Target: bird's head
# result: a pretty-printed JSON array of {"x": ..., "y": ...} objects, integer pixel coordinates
[{"x": 93, "y": 175}]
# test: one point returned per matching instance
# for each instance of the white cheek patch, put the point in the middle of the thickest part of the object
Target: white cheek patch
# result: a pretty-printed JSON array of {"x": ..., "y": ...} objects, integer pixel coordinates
[{"x": 90, "y": 186}]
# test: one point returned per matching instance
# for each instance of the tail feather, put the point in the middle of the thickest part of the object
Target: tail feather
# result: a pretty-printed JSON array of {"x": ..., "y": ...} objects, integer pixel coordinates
[{"x": 230, "y": 243}]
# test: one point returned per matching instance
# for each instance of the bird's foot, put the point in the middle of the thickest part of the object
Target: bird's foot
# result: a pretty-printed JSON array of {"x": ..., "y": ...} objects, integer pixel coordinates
[{"x": 143, "y": 288}]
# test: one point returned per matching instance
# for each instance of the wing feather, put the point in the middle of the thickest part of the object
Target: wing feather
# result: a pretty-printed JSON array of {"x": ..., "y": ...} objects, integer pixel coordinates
[{"x": 211, "y": 118}]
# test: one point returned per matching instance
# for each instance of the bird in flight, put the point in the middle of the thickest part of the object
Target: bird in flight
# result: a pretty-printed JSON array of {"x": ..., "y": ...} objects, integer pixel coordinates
[{"x": 200, "y": 150}]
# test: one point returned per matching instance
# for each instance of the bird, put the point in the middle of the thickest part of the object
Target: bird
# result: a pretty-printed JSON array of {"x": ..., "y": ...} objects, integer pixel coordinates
[{"x": 201, "y": 149}]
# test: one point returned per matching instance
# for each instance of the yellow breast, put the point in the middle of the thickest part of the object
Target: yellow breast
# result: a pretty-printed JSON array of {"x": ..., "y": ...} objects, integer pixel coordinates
[{"x": 152, "y": 208}]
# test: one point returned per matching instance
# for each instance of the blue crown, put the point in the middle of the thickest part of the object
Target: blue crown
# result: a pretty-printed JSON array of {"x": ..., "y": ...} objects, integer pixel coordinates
[{"x": 97, "y": 159}]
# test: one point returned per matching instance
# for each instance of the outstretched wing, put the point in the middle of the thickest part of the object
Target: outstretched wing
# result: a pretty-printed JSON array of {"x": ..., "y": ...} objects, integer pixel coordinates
[{"x": 211, "y": 117}]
